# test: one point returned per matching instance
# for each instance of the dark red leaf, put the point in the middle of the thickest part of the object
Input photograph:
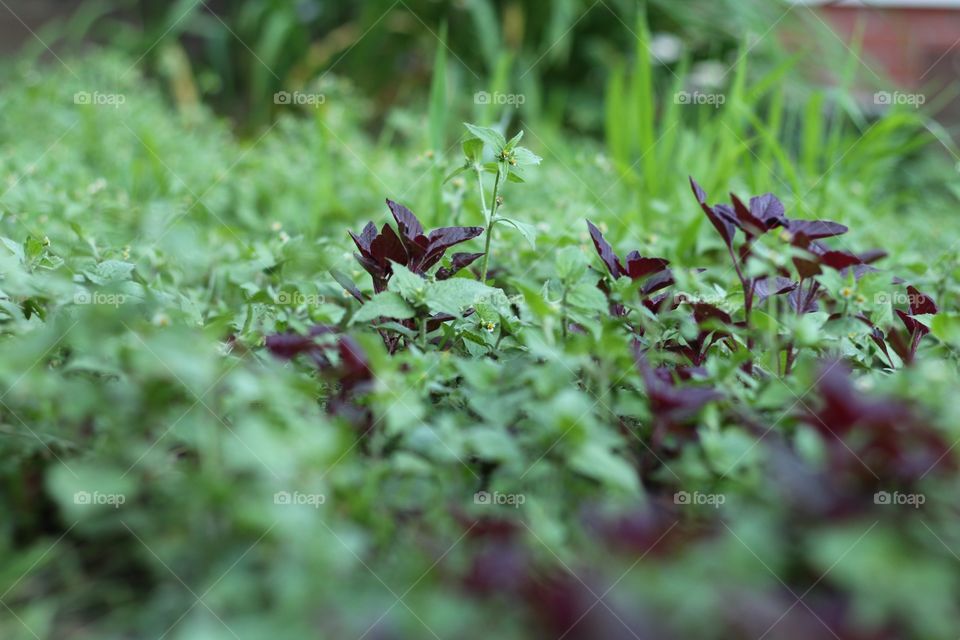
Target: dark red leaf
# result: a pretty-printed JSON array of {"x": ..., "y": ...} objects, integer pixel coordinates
[
  {"x": 366, "y": 237},
  {"x": 816, "y": 229},
  {"x": 606, "y": 252},
  {"x": 640, "y": 267},
  {"x": 869, "y": 257},
  {"x": 721, "y": 220},
  {"x": 839, "y": 259},
  {"x": 769, "y": 209},
  {"x": 806, "y": 268},
  {"x": 387, "y": 247},
  {"x": 803, "y": 302},
  {"x": 458, "y": 262},
  {"x": 911, "y": 324},
  {"x": 408, "y": 223},
  {"x": 356, "y": 366},
  {"x": 659, "y": 281},
  {"x": 750, "y": 224},
  {"x": 702, "y": 312},
  {"x": 763, "y": 288},
  {"x": 920, "y": 303}
]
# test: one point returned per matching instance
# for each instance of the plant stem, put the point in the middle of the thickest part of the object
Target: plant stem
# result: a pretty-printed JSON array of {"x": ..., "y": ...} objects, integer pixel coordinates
[
  {"x": 490, "y": 222},
  {"x": 423, "y": 334},
  {"x": 483, "y": 200},
  {"x": 563, "y": 312},
  {"x": 747, "y": 285}
]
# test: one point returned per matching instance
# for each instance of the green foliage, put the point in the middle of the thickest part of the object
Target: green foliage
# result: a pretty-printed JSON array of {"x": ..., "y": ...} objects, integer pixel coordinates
[{"x": 156, "y": 454}]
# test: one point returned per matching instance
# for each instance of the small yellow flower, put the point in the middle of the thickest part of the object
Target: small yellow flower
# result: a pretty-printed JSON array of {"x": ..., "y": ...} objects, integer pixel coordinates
[
  {"x": 846, "y": 292},
  {"x": 276, "y": 226},
  {"x": 861, "y": 299},
  {"x": 786, "y": 236}
]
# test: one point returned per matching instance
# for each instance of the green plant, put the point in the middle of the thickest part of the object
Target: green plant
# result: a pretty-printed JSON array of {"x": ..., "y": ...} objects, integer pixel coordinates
[{"x": 507, "y": 166}]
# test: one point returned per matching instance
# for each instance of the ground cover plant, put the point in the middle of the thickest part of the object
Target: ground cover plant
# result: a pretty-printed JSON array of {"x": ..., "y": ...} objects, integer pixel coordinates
[{"x": 324, "y": 381}]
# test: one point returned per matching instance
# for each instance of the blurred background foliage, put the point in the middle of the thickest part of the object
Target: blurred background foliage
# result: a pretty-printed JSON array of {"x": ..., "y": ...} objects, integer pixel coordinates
[
  {"x": 607, "y": 69},
  {"x": 562, "y": 55}
]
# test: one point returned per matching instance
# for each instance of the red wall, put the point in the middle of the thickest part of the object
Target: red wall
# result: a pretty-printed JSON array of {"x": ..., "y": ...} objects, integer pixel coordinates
[{"x": 916, "y": 47}]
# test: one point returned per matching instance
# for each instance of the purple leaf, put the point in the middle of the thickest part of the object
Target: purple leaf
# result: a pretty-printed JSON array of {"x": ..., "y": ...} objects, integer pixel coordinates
[
  {"x": 387, "y": 246},
  {"x": 802, "y": 302},
  {"x": 606, "y": 252},
  {"x": 720, "y": 219},
  {"x": 839, "y": 259},
  {"x": 366, "y": 237},
  {"x": 659, "y": 281},
  {"x": 769, "y": 209},
  {"x": 640, "y": 267},
  {"x": 763, "y": 288},
  {"x": 869, "y": 257},
  {"x": 806, "y": 268},
  {"x": 815, "y": 229},
  {"x": 408, "y": 224},
  {"x": 920, "y": 303},
  {"x": 458, "y": 262},
  {"x": 751, "y": 225}
]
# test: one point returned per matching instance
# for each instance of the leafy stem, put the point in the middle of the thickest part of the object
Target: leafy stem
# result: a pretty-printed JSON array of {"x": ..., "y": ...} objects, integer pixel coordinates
[
  {"x": 491, "y": 220},
  {"x": 509, "y": 160}
]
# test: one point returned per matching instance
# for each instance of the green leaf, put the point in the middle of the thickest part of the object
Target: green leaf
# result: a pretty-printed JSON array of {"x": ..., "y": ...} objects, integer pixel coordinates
[
  {"x": 513, "y": 175},
  {"x": 409, "y": 285},
  {"x": 586, "y": 295},
  {"x": 571, "y": 264},
  {"x": 513, "y": 141},
  {"x": 946, "y": 327},
  {"x": 453, "y": 174},
  {"x": 456, "y": 295},
  {"x": 525, "y": 157},
  {"x": 388, "y": 304},
  {"x": 109, "y": 271},
  {"x": 527, "y": 230},
  {"x": 489, "y": 136},
  {"x": 15, "y": 247},
  {"x": 473, "y": 150},
  {"x": 596, "y": 461}
]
